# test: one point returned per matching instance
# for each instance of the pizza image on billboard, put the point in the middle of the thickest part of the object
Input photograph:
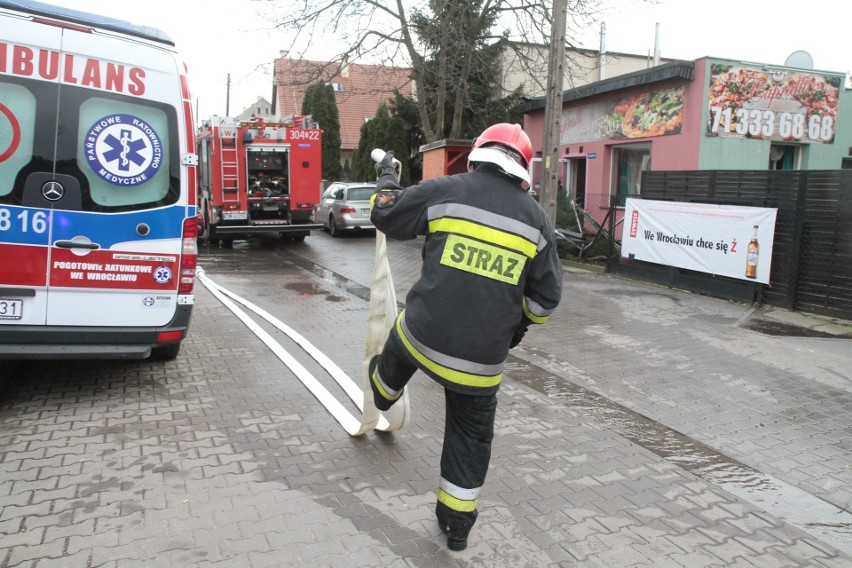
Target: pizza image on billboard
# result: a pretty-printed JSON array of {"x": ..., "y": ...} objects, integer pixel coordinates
[{"x": 657, "y": 113}]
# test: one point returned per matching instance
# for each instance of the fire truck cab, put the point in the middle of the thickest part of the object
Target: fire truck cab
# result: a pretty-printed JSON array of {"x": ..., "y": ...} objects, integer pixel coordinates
[{"x": 258, "y": 176}]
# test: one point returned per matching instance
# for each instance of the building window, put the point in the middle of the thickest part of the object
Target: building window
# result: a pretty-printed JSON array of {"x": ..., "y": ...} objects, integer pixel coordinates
[
  {"x": 628, "y": 163},
  {"x": 336, "y": 87}
]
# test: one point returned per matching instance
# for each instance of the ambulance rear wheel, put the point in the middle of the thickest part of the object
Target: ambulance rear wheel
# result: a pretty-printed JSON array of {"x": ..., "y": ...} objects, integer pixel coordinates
[{"x": 165, "y": 352}]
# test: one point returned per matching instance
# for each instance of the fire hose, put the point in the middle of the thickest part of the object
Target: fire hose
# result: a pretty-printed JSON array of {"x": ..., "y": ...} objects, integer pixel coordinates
[
  {"x": 371, "y": 418},
  {"x": 381, "y": 319}
]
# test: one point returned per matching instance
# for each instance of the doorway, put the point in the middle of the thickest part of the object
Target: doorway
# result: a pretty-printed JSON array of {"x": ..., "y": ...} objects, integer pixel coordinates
[
  {"x": 577, "y": 180},
  {"x": 782, "y": 157}
]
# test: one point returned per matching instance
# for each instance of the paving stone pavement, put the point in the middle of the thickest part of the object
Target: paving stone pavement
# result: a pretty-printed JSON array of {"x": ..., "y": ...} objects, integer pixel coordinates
[{"x": 641, "y": 426}]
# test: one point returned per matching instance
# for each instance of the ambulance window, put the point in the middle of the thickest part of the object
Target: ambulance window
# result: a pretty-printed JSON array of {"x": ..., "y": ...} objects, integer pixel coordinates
[
  {"x": 17, "y": 125},
  {"x": 123, "y": 151}
]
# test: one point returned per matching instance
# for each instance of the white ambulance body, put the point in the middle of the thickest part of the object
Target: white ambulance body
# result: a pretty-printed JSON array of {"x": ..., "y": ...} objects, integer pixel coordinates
[{"x": 98, "y": 220}]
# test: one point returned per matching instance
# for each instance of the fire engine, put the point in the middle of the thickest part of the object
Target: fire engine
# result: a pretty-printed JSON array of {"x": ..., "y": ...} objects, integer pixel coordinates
[{"x": 258, "y": 176}]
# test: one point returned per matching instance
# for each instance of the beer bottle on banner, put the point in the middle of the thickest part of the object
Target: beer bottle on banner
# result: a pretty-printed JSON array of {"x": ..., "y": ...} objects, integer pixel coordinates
[{"x": 751, "y": 256}]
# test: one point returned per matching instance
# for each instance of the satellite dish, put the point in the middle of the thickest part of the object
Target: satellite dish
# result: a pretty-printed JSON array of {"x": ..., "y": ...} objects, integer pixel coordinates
[{"x": 800, "y": 59}]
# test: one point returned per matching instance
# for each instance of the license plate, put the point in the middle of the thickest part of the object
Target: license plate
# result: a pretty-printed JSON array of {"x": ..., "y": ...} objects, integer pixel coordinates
[
  {"x": 365, "y": 211},
  {"x": 234, "y": 215},
  {"x": 11, "y": 309}
]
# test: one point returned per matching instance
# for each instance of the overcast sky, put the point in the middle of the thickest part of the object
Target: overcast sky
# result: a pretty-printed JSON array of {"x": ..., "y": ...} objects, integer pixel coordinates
[{"x": 218, "y": 38}]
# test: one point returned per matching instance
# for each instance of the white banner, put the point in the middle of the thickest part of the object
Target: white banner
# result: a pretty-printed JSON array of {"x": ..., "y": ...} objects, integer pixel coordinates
[{"x": 726, "y": 240}]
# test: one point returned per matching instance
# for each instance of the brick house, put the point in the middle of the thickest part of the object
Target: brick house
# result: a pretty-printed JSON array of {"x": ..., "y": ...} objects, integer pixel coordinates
[{"x": 359, "y": 89}]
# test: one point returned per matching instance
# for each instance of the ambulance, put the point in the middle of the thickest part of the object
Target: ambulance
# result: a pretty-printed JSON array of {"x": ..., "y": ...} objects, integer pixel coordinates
[{"x": 98, "y": 217}]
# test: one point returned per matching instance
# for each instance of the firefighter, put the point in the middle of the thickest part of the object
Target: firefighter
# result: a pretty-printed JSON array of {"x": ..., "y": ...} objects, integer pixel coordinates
[{"x": 490, "y": 270}]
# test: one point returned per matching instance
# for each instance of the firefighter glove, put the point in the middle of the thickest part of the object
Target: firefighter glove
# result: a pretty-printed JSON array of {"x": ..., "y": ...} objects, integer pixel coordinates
[
  {"x": 386, "y": 166},
  {"x": 520, "y": 331}
]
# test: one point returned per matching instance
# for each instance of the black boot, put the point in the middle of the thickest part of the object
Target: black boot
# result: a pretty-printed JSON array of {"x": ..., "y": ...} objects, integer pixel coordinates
[
  {"x": 455, "y": 542},
  {"x": 456, "y": 525}
]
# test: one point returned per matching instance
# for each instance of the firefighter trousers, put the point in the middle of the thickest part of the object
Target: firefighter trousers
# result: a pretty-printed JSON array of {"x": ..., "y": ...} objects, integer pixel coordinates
[{"x": 468, "y": 432}]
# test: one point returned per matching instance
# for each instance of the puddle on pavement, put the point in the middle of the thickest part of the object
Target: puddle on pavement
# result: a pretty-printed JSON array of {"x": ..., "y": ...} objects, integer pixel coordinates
[
  {"x": 769, "y": 327},
  {"x": 305, "y": 288},
  {"x": 313, "y": 289},
  {"x": 332, "y": 278},
  {"x": 808, "y": 512},
  {"x": 661, "y": 440}
]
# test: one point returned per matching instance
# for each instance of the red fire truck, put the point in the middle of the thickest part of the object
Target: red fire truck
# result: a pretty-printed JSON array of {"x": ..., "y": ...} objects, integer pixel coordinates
[{"x": 258, "y": 176}]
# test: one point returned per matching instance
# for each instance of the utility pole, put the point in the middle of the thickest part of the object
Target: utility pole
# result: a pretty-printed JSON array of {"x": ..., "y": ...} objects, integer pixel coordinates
[{"x": 553, "y": 110}]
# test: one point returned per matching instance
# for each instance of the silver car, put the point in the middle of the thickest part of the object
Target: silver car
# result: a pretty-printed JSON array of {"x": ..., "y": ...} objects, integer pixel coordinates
[{"x": 345, "y": 206}]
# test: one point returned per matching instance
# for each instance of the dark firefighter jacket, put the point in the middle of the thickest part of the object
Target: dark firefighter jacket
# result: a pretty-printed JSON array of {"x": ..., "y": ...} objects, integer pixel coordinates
[{"x": 489, "y": 266}]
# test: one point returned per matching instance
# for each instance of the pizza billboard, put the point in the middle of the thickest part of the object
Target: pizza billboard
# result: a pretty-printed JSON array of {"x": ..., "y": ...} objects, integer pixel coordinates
[
  {"x": 644, "y": 115},
  {"x": 778, "y": 105}
]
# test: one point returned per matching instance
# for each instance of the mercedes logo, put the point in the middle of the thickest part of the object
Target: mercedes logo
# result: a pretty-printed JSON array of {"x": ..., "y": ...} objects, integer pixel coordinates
[{"x": 52, "y": 191}]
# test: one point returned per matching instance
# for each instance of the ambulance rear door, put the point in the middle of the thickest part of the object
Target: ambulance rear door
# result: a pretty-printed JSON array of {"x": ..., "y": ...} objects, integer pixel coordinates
[{"x": 100, "y": 182}]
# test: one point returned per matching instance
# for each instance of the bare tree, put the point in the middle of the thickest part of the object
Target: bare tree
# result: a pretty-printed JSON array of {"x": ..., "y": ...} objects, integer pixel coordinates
[{"x": 410, "y": 33}]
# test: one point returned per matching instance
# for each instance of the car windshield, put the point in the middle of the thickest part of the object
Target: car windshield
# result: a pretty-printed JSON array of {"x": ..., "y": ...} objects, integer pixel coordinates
[{"x": 361, "y": 193}]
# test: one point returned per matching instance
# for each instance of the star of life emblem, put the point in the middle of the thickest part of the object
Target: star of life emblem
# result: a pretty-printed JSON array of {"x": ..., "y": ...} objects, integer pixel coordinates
[
  {"x": 162, "y": 274},
  {"x": 123, "y": 149}
]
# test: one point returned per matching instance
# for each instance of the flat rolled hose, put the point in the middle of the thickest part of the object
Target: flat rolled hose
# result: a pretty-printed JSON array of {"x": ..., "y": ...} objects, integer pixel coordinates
[{"x": 379, "y": 323}]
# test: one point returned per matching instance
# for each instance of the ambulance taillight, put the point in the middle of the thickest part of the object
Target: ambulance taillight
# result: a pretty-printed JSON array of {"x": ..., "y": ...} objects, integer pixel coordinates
[{"x": 189, "y": 256}]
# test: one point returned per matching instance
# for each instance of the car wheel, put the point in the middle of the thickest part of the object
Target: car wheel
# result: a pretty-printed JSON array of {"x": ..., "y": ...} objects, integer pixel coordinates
[{"x": 332, "y": 227}]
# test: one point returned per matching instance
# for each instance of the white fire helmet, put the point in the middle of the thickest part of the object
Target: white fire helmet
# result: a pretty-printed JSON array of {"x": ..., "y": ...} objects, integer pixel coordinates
[{"x": 508, "y": 147}]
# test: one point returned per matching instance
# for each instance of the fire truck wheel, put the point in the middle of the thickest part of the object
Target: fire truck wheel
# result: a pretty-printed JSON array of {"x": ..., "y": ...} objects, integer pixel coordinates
[
  {"x": 212, "y": 238},
  {"x": 204, "y": 229},
  {"x": 332, "y": 227}
]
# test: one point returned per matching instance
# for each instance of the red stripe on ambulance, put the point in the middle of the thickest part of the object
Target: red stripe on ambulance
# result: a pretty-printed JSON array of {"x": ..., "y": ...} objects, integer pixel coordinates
[
  {"x": 23, "y": 265},
  {"x": 107, "y": 269}
]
